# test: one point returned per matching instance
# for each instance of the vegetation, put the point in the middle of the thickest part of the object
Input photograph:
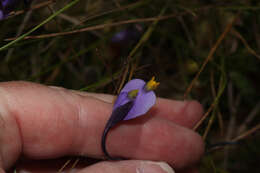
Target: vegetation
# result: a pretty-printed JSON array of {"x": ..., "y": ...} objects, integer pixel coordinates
[{"x": 203, "y": 50}]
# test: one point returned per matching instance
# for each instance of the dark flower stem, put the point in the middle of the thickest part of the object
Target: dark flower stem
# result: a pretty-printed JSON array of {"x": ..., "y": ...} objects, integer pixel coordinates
[
  {"x": 104, "y": 145},
  {"x": 117, "y": 115}
]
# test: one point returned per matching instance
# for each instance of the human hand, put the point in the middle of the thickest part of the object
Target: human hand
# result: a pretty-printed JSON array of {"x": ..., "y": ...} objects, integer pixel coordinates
[{"x": 41, "y": 122}]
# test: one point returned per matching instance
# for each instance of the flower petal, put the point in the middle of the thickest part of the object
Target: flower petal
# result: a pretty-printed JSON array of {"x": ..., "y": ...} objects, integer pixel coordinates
[
  {"x": 122, "y": 99},
  {"x": 123, "y": 96},
  {"x": 143, "y": 102},
  {"x": 133, "y": 85}
]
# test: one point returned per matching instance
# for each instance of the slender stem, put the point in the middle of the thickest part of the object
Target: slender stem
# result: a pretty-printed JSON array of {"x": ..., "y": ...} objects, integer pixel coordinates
[
  {"x": 103, "y": 144},
  {"x": 38, "y": 26},
  {"x": 117, "y": 115}
]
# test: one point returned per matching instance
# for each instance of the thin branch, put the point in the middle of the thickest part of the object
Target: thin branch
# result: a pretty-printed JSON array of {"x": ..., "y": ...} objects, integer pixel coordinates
[
  {"x": 19, "y": 32},
  {"x": 249, "y": 118},
  {"x": 250, "y": 50},
  {"x": 236, "y": 139},
  {"x": 34, "y": 7},
  {"x": 247, "y": 133},
  {"x": 210, "y": 55},
  {"x": 97, "y": 27},
  {"x": 64, "y": 166}
]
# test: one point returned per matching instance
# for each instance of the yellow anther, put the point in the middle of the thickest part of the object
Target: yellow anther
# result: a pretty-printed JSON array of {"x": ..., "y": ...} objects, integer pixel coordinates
[
  {"x": 151, "y": 85},
  {"x": 132, "y": 94}
]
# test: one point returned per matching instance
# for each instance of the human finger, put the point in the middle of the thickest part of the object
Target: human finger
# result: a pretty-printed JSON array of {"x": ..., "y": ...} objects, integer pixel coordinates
[
  {"x": 184, "y": 113},
  {"x": 129, "y": 166},
  {"x": 53, "y": 165},
  {"x": 45, "y": 122}
]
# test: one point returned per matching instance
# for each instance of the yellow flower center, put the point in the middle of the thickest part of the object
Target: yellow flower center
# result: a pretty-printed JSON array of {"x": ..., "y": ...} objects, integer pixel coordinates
[
  {"x": 132, "y": 94},
  {"x": 151, "y": 85}
]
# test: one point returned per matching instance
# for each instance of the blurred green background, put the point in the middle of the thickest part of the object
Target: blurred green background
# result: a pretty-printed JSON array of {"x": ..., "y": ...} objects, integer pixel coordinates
[{"x": 203, "y": 50}]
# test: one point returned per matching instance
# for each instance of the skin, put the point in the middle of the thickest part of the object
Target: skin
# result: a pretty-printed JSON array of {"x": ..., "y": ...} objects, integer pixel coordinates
[{"x": 42, "y": 122}]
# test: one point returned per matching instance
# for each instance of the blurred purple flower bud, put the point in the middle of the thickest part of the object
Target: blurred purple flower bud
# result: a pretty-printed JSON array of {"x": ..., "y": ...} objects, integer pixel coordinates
[
  {"x": 126, "y": 35},
  {"x": 134, "y": 100},
  {"x": 122, "y": 40},
  {"x": 6, "y": 6}
]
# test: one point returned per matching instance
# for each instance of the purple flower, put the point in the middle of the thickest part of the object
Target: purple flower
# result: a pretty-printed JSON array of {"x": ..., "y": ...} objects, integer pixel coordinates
[
  {"x": 131, "y": 33},
  {"x": 142, "y": 102},
  {"x": 134, "y": 100},
  {"x": 121, "y": 41},
  {"x": 6, "y": 6}
]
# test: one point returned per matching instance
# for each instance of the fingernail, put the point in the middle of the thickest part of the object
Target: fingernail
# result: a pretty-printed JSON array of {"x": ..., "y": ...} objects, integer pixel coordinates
[{"x": 154, "y": 167}]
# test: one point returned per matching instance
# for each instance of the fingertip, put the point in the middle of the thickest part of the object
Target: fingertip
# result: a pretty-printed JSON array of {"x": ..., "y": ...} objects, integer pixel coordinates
[
  {"x": 184, "y": 113},
  {"x": 193, "y": 113},
  {"x": 156, "y": 139},
  {"x": 190, "y": 148}
]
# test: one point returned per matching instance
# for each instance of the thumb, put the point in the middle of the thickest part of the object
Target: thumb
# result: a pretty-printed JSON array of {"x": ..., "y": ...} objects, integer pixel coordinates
[{"x": 129, "y": 166}]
